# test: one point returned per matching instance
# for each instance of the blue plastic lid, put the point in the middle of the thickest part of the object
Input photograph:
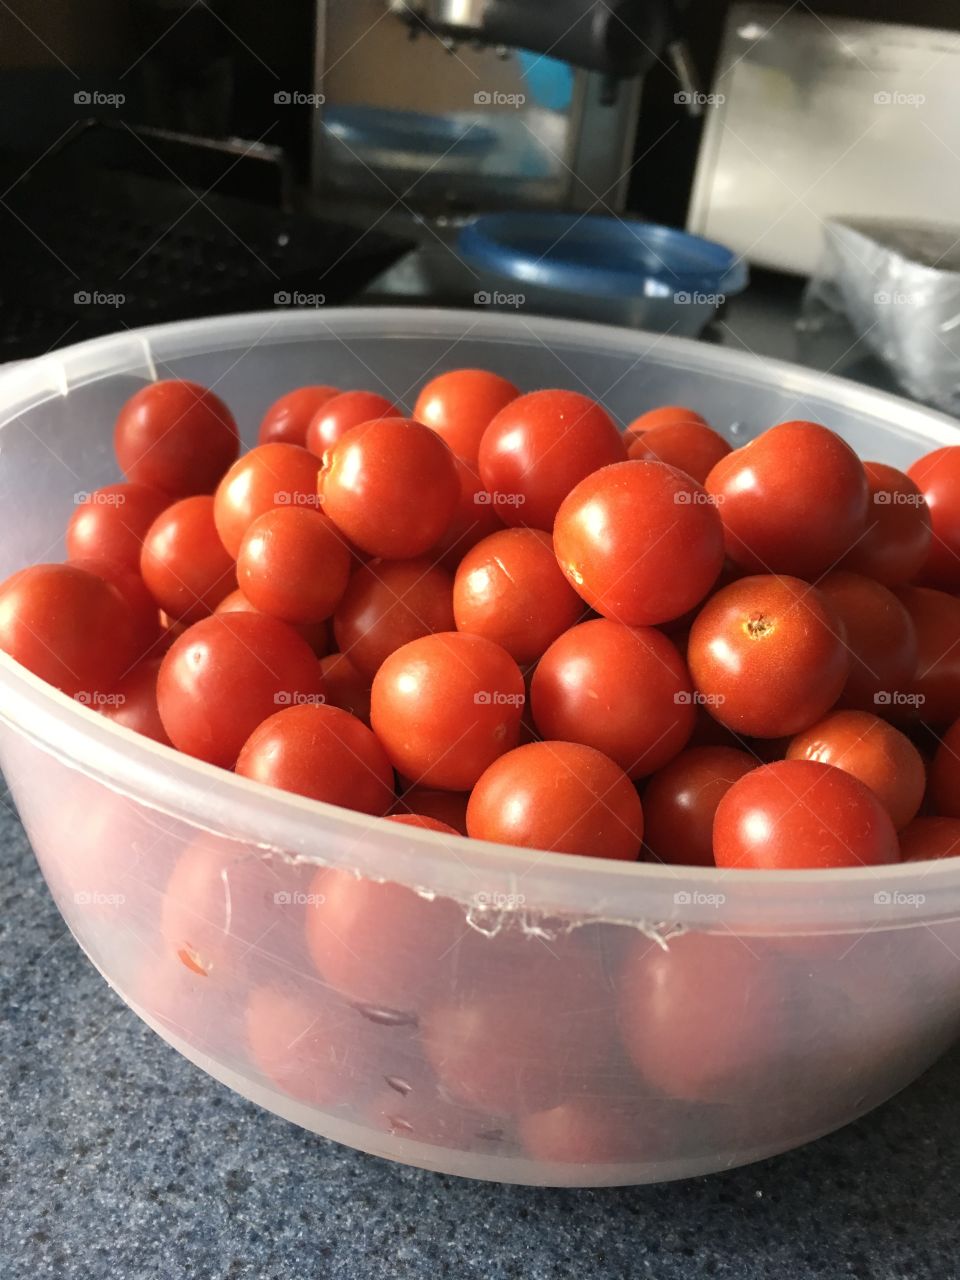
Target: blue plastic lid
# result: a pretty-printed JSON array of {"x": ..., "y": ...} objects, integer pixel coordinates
[{"x": 594, "y": 254}]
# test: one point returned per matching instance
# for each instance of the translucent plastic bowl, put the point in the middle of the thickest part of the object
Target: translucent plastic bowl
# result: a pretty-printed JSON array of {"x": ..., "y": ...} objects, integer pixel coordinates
[{"x": 478, "y": 1025}]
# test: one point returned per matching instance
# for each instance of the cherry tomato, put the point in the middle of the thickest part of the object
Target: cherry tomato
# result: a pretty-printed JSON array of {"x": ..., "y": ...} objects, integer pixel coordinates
[
  {"x": 938, "y": 477},
  {"x": 348, "y": 409},
  {"x": 767, "y": 656},
  {"x": 873, "y": 751},
  {"x": 134, "y": 702},
  {"x": 897, "y": 538},
  {"x": 667, "y": 415},
  {"x": 640, "y": 541},
  {"x": 447, "y": 807},
  {"x": 538, "y": 447},
  {"x": 474, "y": 519},
  {"x": 145, "y": 617},
  {"x": 691, "y": 447},
  {"x": 391, "y": 486},
  {"x": 68, "y": 626},
  {"x": 445, "y": 707},
  {"x": 800, "y": 813},
  {"x": 927, "y": 838},
  {"x": 184, "y": 563},
  {"x": 560, "y": 796},
  {"x": 624, "y": 691},
  {"x": 110, "y": 523},
  {"x": 945, "y": 774},
  {"x": 587, "y": 1131},
  {"x": 934, "y": 693},
  {"x": 509, "y": 588},
  {"x": 345, "y": 687},
  {"x": 272, "y": 475},
  {"x": 293, "y": 564},
  {"x": 878, "y": 632},
  {"x": 176, "y": 436},
  {"x": 225, "y": 675},
  {"x": 678, "y": 1021},
  {"x": 389, "y": 603},
  {"x": 316, "y": 634},
  {"x": 304, "y": 1044},
  {"x": 287, "y": 419},
  {"x": 792, "y": 501},
  {"x": 423, "y": 823},
  {"x": 679, "y": 803},
  {"x": 460, "y": 406},
  {"x": 320, "y": 752},
  {"x": 421, "y": 1111}
]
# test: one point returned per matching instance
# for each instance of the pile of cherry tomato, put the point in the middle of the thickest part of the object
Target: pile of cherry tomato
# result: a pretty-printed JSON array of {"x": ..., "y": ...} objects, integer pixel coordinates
[{"x": 504, "y": 617}]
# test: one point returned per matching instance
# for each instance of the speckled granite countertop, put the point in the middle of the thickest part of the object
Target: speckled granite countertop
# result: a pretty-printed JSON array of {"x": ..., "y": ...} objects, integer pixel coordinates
[{"x": 120, "y": 1159}]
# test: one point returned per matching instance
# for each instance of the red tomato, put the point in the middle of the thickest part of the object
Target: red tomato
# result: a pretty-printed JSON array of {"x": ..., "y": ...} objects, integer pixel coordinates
[
  {"x": 934, "y": 694},
  {"x": 69, "y": 627},
  {"x": 703, "y": 1019},
  {"x": 691, "y": 447},
  {"x": 423, "y": 823},
  {"x": 624, "y": 691},
  {"x": 793, "y": 501},
  {"x": 938, "y": 477},
  {"x": 287, "y": 419},
  {"x": 538, "y": 447},
  {"x": 389, "y": 603},
  {"x": 447, "y": 807},
  {"x": 305, "y": 1045},
  {"x": 927, "y": 838},
  {"x": 588, "y": 1131},
  {"x": 320, "y": 752},
  {"x": 945, "y": 773},
  {"x": 110, "y": 523},
  {"x": 559, "y": 796},
  {"x": 680, "y": 801},
  {"x": 316, "y": 634},
  {"x": 640, "y": 542},
  {"x": 225, "y": 675},
  {"x": 348, "y": 409},
  {"x": 897, "y": 538},
  {"x": 767, "y": 655},
  {"x": 509, "y": 588},
  {"x": 460, "y": 406},
  {"x": 421, "y": 1111},
  {"x": 176, "y": 436},
  {"x": 272, "y": 475},
  {"x": 667, "y": 415},
  {"x": 293, "y": 564},
  {"x": 145, "y": 617},
  {"x": 184, "y": 563},
  {"x": 345, "y": 687},
  {"x": 474, "y": 519},
  {"x": 391, "y": 486},
  {"x": 445, "y": 707},
  {"x": 873, "y": 751},
  {"x": 799, "y": 813},
  {"x": 879, "y": 633},
  {"x": 134, "y": 702}
]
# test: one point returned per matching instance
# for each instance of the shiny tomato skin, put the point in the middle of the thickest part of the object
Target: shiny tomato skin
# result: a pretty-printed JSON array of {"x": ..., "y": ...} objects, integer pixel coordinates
[
  {"x": 345, "y": 687},
  {"x": 446, "y": 807},
  {"x": 879, "y": 634},
  {"x": 445, "y": 707},
  {"x": 460, "y": 405},
  {"x": 316, "y": 634},
  {"x": 927, "y": 838},
  {"x": 135, "y": 702},
  {"x": 934, "y": 692},
  {"x": 768, "y": 657},
  {"x": 287, "y": 419},
  {"x": 945, "y": 774},
  {"x": 271, "y": 475},
  {"x": 793, "y": 501},
  {"x": 938, "y": 476},
  {"x": 293, "y": 564},
  {"x": 559, "y": 796},
  {"x": 226, "y": 674},
  {"x": 68, "y": 626},
  {"x": 798, "y": 814},
  {"x": 111, "y": 523},
  {"x": 539, "y": 447},
  {"x": 387, "y": 604},
  {"x": 391, "y": 486},
  {"x": 145, "y": 618},
  {"x": 640, "y": 542},
  {"x": 176, "y": 436},
  {"x": 321, "y": 752},
  {"x": 475, "y": 518},
  {"x": 624, "y": 691},
  {"x": 341, "y": 412},
  {"x": 879, "y": 755},
  {"x": 680, "y": 801},
  {"x": 898, "y": 534},
  {"x": 510, "y": 589},
  {"x": 423, "y": 822},
  {"x": 183, "y": 562},
  {"x": 667, "y": 415},
  {"x": 691, "y": 447}
]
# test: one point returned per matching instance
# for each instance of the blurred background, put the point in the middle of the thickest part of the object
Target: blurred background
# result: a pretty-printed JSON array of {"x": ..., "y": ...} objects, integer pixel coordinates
[{"x": 783, "y": 177}]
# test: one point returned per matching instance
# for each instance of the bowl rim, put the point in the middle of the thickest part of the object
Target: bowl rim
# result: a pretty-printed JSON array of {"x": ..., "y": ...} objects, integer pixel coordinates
[{"x": 493, "y": 880}]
